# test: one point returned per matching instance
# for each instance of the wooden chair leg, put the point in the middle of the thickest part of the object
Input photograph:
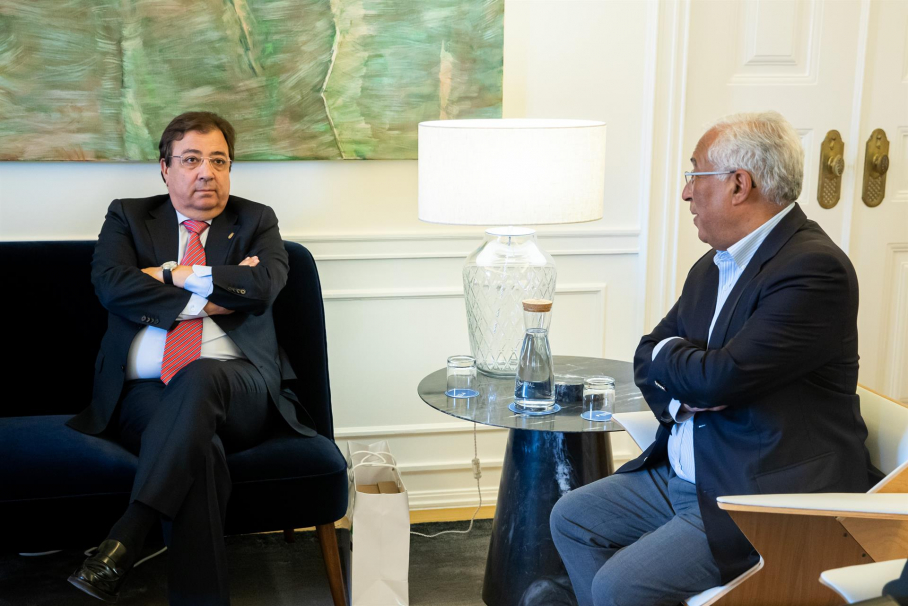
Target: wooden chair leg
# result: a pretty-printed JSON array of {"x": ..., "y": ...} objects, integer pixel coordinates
[
  {"x": 289, "y": 535},
  {"x": 328, "y": 540}
]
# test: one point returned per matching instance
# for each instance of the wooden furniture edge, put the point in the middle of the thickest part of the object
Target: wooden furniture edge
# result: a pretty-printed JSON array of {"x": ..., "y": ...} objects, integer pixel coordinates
[
  {"x": 836, "y": 513},
  {"x": 884, "y": 396}
]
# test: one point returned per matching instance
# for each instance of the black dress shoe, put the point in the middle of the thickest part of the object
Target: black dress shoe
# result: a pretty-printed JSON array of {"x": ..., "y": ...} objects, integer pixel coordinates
[{"x": 102, "y": 574}]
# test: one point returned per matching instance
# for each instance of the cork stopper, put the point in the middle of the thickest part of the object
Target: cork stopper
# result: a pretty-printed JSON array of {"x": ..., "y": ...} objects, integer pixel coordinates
[{"x": 538, "y": 305}]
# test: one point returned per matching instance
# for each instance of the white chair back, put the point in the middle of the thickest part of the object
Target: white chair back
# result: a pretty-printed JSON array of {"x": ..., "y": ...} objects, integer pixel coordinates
[
  {"x": 887, "y": 427},
  {"x": 864, "y": 581},
  {"x": 641, "y": 426}
]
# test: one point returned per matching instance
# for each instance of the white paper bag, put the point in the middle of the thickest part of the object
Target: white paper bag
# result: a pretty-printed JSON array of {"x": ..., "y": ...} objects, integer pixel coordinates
[{"x": 381, "y": 528}]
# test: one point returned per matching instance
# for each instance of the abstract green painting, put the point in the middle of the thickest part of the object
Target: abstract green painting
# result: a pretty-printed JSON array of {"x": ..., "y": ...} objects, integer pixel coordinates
[{"x": 299, "y": 79}]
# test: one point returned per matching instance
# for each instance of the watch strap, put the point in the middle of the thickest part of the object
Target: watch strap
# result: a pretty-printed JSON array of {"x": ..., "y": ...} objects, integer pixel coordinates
[{"x": 168, "y": 276}]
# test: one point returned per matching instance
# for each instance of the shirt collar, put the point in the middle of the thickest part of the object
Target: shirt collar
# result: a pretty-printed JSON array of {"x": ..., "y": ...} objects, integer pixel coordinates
[
  {"x": 743, "y": 250},
  {"x": 181, "y": 217}
]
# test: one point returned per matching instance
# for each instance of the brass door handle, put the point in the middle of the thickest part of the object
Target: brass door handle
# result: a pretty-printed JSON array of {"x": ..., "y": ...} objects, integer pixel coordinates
[
  {"x": 832, "y": 165},
  {"x": 881, "y": 164},
  {"x": 876, "y": 165},
  {"x": 836, "y": 166}
]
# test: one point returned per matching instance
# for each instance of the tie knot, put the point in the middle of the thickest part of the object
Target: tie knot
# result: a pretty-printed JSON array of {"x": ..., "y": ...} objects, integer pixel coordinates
[{"x": 195, "y": 227}]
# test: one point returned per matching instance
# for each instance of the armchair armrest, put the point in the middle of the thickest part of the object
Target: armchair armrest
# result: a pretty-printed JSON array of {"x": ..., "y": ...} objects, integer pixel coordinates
[{"x": 880, "y": 506}]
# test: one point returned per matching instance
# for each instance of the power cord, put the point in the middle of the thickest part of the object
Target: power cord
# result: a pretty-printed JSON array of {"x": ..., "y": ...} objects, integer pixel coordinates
[
  {"x": 91, "y": 550},
  {"x": 38, "y": 554},
  {"x": 477, "y": 473},
  {"x": 148, "y": 557}
]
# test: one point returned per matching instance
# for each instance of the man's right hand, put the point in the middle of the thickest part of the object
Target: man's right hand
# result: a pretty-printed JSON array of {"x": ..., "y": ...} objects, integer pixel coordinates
[{"x": 213, "y": 309}]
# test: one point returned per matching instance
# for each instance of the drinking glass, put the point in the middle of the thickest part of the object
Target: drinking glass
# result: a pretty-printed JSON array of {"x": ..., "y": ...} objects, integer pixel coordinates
[
  {"x": 598, "y": 398},
  {"x": 461, "y": 377}
]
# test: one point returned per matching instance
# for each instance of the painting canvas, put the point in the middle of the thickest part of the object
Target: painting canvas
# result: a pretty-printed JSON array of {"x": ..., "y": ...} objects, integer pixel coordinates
[{"x": 299, "y": 79}]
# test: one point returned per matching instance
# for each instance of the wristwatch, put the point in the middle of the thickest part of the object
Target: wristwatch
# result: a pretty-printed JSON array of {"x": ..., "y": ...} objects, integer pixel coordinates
[{"x": 169, "y": 267}]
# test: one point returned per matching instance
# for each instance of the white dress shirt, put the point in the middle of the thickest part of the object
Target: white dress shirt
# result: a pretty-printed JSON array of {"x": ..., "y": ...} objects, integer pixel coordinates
[
  {"x": 147, "y": 350},
  {"x": 731, "y": 264}
]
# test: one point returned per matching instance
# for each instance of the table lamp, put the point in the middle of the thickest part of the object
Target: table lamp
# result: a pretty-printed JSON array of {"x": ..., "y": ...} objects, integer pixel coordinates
[{"x": 513, "y": 172}]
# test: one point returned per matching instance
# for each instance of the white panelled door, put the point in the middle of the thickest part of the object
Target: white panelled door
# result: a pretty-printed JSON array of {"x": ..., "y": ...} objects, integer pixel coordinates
[
  {"x": 879, "y": 236},
  {"x": 825, "y": 65}
]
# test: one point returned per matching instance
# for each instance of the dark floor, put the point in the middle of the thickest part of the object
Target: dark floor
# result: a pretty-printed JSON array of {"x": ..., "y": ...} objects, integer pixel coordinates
[{"x": 267, "y": 571}]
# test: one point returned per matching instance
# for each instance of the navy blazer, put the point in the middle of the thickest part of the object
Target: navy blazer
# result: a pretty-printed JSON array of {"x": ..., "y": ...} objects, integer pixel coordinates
[
  {"x": 144, "y": 232},
  {"x": 783, "y": 357}
]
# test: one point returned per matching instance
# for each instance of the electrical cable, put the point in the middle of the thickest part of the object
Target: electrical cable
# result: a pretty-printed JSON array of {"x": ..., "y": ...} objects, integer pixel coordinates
[
  {"x": 91, "y": 551},
  {"x": 38, "y": 554},
  {"x": 148, "y": 557},
  {"x": 477, "y": 473}
]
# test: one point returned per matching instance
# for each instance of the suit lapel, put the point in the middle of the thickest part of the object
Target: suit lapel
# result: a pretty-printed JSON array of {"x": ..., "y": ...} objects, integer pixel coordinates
[
  {"x": 704, "y": 305},
  {"x": 162, "y": 227},
  {"x": 221, "y": 237},
  {"x": 779, "y": 235}
]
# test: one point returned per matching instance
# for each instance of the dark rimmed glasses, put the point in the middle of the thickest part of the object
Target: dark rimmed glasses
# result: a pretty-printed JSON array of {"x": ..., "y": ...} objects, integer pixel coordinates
[{"x": 192, "y": 161}]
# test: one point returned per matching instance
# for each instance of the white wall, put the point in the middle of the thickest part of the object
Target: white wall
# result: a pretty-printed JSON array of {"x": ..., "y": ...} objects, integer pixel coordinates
[{"x": 392, "y": 284}]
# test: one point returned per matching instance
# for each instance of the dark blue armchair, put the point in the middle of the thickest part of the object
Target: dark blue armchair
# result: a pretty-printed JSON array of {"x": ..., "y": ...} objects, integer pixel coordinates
[{"x": 51, "y": 475}]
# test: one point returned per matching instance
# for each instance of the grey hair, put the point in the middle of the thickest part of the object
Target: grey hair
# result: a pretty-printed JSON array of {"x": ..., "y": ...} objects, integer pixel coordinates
[{"x": 767, "y": 146}]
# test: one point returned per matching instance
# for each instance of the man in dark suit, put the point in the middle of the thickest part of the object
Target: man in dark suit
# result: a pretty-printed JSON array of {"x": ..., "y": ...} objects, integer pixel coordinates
[
  {"x": 752, "y": 376},
  {"x": 190, "y": 367}
]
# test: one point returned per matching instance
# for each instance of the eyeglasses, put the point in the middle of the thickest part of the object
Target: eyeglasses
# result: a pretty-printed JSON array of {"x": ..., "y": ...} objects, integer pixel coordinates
[
  {"x": 193, "y": 161},
  {"x": 691, "y": 177}
]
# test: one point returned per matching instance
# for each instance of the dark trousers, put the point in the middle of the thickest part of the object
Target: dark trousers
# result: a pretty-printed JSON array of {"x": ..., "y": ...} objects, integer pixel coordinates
[{"x": 181, "y": 433}]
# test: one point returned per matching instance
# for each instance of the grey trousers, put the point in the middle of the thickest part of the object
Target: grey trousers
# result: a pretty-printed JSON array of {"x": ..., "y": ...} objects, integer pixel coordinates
[{"x": 634, "y": 539}]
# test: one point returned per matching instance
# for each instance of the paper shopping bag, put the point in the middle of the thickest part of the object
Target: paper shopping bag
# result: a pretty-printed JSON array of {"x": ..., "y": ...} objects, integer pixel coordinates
[{"x": 380, "y": 527}]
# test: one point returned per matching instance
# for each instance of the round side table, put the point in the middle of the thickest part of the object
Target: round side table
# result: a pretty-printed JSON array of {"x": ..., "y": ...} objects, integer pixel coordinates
[{"x": 546, "y": 457}]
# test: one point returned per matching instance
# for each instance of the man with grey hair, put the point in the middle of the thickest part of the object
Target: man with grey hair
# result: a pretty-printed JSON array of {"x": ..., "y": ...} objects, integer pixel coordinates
[{"x": 752, "y": 376}]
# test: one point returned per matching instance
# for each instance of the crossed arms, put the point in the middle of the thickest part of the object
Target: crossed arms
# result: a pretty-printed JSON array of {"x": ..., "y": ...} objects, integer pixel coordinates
[
  {"x": 138, "y": 294},
  {"x": 182, "y": 272},
  {"x": 798, "y": 325}
]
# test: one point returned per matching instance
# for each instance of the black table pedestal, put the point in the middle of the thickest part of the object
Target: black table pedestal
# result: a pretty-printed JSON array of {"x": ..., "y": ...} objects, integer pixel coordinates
[{"x": 539, "y": 467}]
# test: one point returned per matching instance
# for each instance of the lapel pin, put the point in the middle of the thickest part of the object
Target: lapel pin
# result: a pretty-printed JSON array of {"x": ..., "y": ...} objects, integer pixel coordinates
[{"x": 230, "y": 236}]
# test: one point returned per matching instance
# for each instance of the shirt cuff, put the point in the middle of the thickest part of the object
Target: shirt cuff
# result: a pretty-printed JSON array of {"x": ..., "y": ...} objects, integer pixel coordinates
[
  {"x": 200, "y": 281},
  {"x": 656, "y": 349},
  {"x": 194, "y": 309},
  {"x": 673, "y": 409}
]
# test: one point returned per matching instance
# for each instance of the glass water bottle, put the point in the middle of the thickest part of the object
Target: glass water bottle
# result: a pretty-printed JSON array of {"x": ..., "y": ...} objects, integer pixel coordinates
[{"x": 535, "y": 386}]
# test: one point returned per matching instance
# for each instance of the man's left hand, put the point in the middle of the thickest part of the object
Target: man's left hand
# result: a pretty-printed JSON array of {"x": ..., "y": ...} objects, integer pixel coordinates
[
  {"x": 687, "y": 408},
  {"x": 179, "y": 274},
  {"x": 155, "y": 272}
]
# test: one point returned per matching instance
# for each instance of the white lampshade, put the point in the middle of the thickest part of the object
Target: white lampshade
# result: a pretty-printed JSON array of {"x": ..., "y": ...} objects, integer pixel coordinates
[{"x": 498, "y": 172}]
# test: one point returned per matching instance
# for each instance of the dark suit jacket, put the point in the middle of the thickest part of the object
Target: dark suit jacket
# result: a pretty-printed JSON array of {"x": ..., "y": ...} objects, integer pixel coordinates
[
  {"x": 144, "y": 233},
  {"x": 783, "y": 356}
]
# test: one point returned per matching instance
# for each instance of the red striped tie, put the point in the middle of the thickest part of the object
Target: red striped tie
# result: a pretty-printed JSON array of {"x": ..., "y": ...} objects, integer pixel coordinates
[{"x": 184, "y": 343}]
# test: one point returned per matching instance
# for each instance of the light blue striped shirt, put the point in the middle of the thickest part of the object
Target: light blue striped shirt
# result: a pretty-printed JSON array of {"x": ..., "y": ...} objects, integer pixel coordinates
[{"x": 731, "y": 264}]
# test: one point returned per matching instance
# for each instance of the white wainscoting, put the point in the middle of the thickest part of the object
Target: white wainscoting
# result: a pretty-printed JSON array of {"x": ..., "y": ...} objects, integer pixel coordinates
[{"x": 394, "y": 311}]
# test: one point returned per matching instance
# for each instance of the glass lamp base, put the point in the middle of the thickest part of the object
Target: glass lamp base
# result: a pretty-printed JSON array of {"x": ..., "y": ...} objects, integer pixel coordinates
[{"x": 508, "y": 268}]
